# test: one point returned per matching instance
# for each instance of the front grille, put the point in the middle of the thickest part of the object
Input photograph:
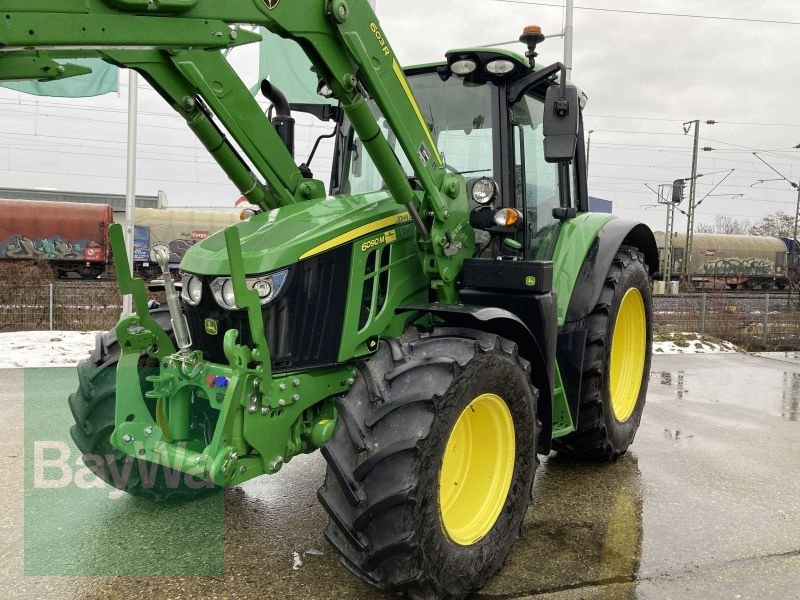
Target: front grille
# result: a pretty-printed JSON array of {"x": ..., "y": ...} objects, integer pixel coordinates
[{"x": 303, "y": 326}]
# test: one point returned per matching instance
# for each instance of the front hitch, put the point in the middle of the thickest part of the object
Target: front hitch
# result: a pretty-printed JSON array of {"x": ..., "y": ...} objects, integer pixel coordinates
[
  {"x": 185, "y": 378},
  {"x": 180, "y": 327}
]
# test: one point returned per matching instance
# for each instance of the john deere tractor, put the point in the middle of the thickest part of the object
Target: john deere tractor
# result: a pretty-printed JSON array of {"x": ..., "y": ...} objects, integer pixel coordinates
[{"x": 448, "y": 314}]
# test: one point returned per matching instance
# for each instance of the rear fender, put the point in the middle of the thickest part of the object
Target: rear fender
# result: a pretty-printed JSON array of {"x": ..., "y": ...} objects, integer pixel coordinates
[{"x": 589, "y": 282}]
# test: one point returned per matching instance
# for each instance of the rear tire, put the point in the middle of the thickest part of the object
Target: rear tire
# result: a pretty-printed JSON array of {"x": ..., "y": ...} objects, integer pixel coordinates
[
  {"x": 93, "y": 408},
  {"x": 385, "y": 482},
  {"x": 607, "y": 427}
]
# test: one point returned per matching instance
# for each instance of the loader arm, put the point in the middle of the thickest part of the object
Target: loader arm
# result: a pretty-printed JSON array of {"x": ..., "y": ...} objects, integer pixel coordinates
[{"x": 178, "y": 45}]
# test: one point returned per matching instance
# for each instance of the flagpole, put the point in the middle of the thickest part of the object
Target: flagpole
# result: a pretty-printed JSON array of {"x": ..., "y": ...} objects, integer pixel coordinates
[{"x": 130, "y": 188}]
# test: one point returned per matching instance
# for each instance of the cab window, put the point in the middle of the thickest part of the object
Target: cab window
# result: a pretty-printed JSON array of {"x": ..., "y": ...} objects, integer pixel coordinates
[{"x": 536, "y": 180}]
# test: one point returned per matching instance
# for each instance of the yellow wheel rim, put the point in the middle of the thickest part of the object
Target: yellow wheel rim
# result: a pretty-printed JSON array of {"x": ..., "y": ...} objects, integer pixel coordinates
[
  {"x": 628, "y": 350},
  {"x": 477, "y": 468}
]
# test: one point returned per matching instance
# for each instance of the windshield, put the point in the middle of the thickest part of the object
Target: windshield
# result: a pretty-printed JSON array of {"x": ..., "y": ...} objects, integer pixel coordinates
[{"x": 458, "y": 114}]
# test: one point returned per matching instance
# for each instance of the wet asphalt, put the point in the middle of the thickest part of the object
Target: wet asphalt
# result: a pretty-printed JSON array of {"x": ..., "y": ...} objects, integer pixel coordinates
[{"x": 705, "y": 505}]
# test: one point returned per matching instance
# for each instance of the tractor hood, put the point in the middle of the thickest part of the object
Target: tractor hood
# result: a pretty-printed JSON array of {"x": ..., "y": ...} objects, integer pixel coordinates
[{"x": 286, "y": 235}]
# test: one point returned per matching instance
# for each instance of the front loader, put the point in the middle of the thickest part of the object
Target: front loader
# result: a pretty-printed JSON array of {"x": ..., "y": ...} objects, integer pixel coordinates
[{"x": 448, "y": 314}]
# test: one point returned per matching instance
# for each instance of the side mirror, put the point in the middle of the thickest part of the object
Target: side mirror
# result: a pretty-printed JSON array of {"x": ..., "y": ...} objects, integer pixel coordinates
[{"x": 560, "y": 125}]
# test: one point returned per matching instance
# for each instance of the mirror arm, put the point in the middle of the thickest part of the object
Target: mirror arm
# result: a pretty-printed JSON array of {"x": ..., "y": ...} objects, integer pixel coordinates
[
  {"x": 564, "y": 185},
  {"x": 518, "y": 89},
  {"x": 562, "y": 105}
]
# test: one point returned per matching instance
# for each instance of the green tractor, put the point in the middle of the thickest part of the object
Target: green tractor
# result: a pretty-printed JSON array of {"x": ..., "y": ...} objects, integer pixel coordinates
[{"x": 449, "y": 313}]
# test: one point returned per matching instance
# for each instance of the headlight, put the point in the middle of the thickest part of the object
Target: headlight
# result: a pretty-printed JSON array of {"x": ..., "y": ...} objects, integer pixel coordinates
[
  {"x": 228, "y": 297},
  {"x": 192, "y": 291},
  {"x": 222, "y": 289},
  {"x": 484, "y": 190},
  {"x": 500, "y": 67},
  {"x": 264, "y": 289},
  {"x": 464, "y": 67},
  {"x": 267, "y": 286}
]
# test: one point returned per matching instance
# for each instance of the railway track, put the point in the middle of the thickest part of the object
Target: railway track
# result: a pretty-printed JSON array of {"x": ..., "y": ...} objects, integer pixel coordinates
[{"x": 735, "y": 293}]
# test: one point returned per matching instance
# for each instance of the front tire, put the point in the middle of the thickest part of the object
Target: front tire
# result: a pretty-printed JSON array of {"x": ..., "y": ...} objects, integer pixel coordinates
[
  {"x": 431, "y": 466},
  {"x": 93, "y": 408},
  {"x": 616, "y": 365}
]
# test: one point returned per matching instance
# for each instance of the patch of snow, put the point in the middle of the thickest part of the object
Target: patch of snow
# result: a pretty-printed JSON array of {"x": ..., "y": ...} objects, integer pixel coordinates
[
  {"x": 34, "y": 349},
  {"x": 692, "y": 343},
  {"x": 297, "y": 563}
]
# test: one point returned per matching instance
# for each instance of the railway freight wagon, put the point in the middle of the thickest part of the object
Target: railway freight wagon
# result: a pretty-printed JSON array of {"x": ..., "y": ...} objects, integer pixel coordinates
[
  {"x": 732, "y": 261},
  {"x": 72, "y": 237},
  {"x": 177, "y": 230}
]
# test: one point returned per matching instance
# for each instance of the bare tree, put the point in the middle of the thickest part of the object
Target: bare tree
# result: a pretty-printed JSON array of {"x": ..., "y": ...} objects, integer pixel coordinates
[
  {"x": 731, "y": 226},
  {"x": 725, "y": 225},
  {"x": 778, "y": 224}
]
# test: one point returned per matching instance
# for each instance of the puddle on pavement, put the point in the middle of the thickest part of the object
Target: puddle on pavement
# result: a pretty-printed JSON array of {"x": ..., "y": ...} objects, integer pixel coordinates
[
  {"x": 790, "y": 357},
  {"x": 588, "y": 520},
  {"x": 771, "y": 391}
]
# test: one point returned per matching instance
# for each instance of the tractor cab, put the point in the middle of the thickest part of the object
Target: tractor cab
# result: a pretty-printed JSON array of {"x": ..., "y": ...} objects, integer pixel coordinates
[{"x": 486, "y": 111}]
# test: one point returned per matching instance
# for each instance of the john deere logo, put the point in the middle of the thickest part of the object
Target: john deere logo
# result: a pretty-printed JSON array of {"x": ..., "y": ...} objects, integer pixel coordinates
[
  {"x": 530, "y": 281},
  {"x": 212, "y": 327},
  {"x": 271, "y": 3}
]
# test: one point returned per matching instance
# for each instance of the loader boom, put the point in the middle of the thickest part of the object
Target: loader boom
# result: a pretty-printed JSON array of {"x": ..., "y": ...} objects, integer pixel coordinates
[{"x": 178, "y": 45}]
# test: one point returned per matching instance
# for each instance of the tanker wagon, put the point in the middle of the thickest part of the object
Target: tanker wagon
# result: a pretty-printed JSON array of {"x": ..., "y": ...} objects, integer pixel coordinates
[
  {"x": 730, "y": 261},
  {"x": 71, "y": 237}
]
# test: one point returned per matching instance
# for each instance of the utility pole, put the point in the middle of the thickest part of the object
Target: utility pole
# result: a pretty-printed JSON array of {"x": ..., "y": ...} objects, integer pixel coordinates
[
  {"x": 569, "y": 10},
  {"x": 687, "y": 256},
  {"x": 665, "y": 197},
  {"x": 794, "y": 282},
  {"x": 588, "y": 151},
  {"x": 130, "y": 187}
]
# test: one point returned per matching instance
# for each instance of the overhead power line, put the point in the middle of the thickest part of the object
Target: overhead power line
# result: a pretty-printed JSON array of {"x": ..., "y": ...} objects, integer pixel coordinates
[
  {"x": 637, "y": 132},
  {"x": 656, "y": 14},
  {"x": 776, "y": 152},
  {"x": 676, "y": 120}
]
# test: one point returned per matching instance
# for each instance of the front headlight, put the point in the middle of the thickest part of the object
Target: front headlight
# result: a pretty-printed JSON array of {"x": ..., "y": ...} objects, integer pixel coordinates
[
  {"x": 267, "y": 286},
  {"x": 192, "y": 290},
  {"x": 484, "y": 190},
  {"x": 228, "y": 297}
]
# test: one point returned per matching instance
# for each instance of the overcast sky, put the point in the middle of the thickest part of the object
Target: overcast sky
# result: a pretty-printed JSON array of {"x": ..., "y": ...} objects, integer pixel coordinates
[{"x": 645, "y": 76}]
